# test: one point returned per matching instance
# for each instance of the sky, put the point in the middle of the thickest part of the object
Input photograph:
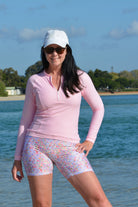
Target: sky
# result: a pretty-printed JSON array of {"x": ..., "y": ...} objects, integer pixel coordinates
[{"x": 103, "y": 34}]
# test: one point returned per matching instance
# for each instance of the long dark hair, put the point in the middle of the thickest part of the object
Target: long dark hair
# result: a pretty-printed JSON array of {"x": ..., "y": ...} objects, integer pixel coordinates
[{"x": 69, "y": 70}]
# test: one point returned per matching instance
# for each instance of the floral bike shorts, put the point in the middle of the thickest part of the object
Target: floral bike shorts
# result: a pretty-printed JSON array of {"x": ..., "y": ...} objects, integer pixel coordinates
[{"x": 40, "y": 154}]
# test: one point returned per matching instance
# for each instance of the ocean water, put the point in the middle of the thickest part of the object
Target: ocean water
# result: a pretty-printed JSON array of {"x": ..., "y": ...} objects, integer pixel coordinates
[{"x": 114, "y": 156}]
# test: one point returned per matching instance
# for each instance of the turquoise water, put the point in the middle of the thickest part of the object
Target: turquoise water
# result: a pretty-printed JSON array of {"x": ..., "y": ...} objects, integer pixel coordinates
[{"x": 114, "y": 156}]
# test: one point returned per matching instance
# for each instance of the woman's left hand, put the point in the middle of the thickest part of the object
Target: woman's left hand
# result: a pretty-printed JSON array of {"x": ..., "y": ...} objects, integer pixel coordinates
[{"x": 86, "y": 146}]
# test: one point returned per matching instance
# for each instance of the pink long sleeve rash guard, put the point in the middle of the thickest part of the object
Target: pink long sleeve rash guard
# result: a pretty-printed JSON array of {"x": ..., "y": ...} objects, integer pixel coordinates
[{"x": 48, "y": 113}]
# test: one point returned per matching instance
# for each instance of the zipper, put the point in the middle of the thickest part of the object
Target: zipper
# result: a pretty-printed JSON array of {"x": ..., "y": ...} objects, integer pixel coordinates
[{"x": 58, "y": 95}]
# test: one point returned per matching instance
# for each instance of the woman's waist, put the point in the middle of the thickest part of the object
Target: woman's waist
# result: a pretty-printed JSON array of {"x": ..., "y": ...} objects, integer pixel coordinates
[
  {"x": 54, "y": 126},
  {"x": 74, "y": 138}
]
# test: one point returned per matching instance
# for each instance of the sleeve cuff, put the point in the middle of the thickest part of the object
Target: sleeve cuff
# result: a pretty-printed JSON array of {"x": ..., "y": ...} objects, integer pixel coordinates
[
  {"x": 17, "y": 157},
  {"x": 90, "y": 140}
]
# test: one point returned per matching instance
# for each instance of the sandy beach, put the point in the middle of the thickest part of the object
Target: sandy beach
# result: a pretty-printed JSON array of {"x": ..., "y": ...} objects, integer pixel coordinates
[
  {"x": 13, "y": 98},
  {"x": 22, "y": 97},
  {"x": 118, "y": 93}
]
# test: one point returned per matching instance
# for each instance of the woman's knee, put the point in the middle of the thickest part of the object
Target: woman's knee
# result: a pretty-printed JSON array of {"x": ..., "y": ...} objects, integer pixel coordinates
[
  {"x": 39, "y": 203},
  {"x": 99, "y": 201}
]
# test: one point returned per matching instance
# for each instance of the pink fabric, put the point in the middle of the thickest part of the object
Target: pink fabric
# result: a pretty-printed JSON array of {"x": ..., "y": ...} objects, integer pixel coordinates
[{"x": 48, "y": 113}]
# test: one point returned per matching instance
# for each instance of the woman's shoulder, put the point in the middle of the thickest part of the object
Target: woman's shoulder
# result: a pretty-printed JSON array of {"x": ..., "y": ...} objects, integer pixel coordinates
[
  {"x": 83, "y": 75},
  {"x": 35, "y": 77}
]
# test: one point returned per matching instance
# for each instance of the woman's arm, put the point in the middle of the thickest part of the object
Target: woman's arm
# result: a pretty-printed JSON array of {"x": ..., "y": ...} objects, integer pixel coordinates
[
  {"x": 27, "y": 117},
  {"x": 93, "y": 99}
]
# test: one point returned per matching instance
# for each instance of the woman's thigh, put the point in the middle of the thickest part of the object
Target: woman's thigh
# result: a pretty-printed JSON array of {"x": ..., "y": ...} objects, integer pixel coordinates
[
  {"x": 35, "y": 159},
  {"x": 89, "y": 187},
  {"x": 41, "y": 190},
  {"x": 68, "y": 160}
]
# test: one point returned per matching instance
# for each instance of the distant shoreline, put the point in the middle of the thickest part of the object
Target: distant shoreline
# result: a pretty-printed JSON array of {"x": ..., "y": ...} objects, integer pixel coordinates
[
  {"x": 118, "y": 93},
  {"x": 22, "y": 97},
  {"x": 13, "y": 98}
]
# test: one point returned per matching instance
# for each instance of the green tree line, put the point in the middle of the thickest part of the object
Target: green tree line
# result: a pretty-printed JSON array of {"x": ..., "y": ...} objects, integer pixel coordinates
[{"x": 103, "y": 80}]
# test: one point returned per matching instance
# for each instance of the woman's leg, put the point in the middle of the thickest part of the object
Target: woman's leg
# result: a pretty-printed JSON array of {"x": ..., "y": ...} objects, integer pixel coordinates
[
  {"x": 41, "y": 190},
  {"x": 77, "y": 169},
  {"x": 39, "y": 169},
  {"x": 89, "y": 187}
]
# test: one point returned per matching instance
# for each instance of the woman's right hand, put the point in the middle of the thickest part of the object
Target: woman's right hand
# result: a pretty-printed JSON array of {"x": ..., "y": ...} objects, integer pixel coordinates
[{"x": 17, "y": 167}]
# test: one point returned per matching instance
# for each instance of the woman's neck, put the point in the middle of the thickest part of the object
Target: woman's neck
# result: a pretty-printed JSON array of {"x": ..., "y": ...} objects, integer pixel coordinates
[{"x": 56, "y": 71}]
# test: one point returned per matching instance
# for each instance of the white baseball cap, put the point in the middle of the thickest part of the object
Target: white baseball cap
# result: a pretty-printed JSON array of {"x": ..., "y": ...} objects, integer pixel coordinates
[{"x": 58, "y": 37}]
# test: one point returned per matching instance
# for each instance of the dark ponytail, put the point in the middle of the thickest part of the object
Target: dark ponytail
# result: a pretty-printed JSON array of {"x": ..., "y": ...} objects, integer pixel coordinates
[{"x": 71, "y": 82}]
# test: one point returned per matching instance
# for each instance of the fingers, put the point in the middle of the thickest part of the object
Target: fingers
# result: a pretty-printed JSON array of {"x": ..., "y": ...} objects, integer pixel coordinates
[
  {"x": 14, "y": 175},
  {"x": 80, "y": 148},
  {"x": 17, "y": 167},
  {"x": 86, "y": 146},
  {"x": 21, "y": 173},
  {"x": 87, "y": 152},
  {"x": 21, "y": 176}
]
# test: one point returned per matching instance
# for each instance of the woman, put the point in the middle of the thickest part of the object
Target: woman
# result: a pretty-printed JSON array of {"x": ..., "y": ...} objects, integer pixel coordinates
[{"x": 48, "y": 132}]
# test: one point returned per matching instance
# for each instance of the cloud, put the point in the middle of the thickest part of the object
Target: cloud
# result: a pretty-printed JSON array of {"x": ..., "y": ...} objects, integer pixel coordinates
[
  {"x": 3, "y": 7},
  {"x": 132, "y": 30},
  {"x": 29, "y": 34},
  {"x": 132, "y": 10},
  {"x": 117, "y": 34},
  {"x": 76, "y": 32},
  {"x": 103, "y": 46},
  {"x": 41, "y": 7},
  {"x": 7, "y": 32},
  {"x": 23, "y": 35},
  {"x": 107, "y": 46},
  {"x": 3, "y": 32}
]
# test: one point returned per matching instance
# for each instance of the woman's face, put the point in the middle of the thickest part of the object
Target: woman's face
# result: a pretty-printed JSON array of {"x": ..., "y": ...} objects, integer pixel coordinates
[{"x": 55, "y": 58}]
